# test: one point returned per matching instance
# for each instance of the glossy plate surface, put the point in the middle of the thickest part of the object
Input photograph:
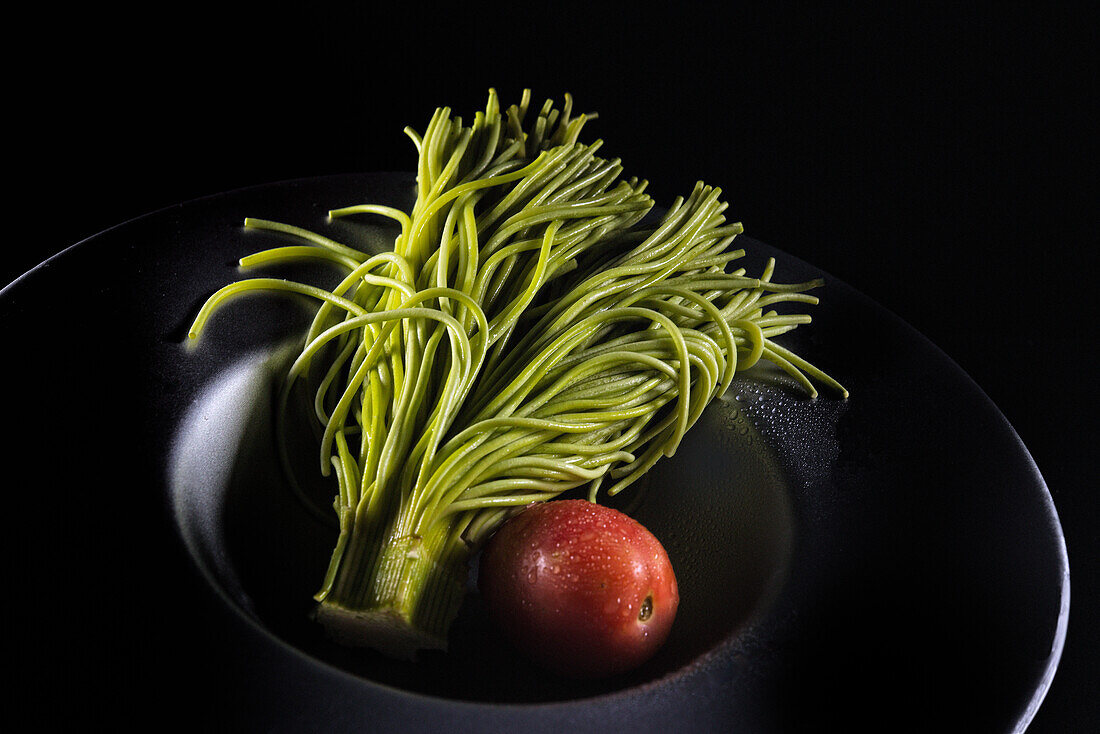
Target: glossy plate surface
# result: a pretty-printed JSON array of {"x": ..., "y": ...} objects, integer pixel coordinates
[{"x": 890, "y": 560}]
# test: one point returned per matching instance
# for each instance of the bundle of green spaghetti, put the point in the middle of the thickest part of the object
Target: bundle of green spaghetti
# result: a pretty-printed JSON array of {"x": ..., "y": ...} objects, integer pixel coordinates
[{"x": 532, "y": 332}]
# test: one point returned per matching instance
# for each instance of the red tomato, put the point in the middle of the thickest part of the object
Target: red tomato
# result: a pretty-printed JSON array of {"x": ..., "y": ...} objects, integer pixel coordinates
[{"x": 582, "y": 589}]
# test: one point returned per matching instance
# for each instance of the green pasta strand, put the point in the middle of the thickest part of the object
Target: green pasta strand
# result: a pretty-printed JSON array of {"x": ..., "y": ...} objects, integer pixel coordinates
[{"x": 535, "y": 329}]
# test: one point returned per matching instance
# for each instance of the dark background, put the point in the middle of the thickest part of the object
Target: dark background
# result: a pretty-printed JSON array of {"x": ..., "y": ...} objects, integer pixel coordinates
[{"x": 941, "y": 160}]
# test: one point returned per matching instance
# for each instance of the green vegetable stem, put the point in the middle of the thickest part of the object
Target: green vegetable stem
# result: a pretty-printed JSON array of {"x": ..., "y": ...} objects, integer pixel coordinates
[{"x": 531, "y": 332}]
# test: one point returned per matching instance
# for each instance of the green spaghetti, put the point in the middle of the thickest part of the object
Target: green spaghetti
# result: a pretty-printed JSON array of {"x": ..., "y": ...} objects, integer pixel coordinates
[{"x": 531, "y": 332}]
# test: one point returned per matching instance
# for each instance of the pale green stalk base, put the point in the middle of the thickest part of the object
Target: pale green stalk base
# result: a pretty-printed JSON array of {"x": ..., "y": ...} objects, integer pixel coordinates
[
  {"x": 396, "y": 593},
  {"x": 387, "y": 630}
]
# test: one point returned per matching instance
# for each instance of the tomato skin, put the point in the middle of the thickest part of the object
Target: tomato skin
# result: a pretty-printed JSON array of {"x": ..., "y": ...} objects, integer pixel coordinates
[{"x": 581, "y": 589}]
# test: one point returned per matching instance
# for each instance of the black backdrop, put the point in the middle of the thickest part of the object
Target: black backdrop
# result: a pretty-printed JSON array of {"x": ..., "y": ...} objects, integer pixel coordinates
[{"x": 940, "y": 160}]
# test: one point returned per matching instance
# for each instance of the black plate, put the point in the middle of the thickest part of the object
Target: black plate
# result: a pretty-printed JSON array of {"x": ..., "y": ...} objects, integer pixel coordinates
[{"x": 893, "y": 560}]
